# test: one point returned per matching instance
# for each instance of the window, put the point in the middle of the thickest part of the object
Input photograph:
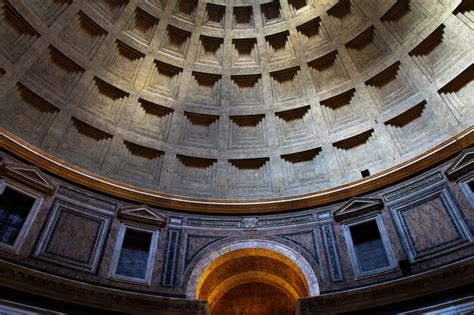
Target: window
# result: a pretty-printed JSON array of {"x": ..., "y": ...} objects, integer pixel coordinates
[
  {"x": 18, "y": 208},
  {"x": 369, "y": 247},
  {"x": 14, "y": 209},
  {"x": 467, "y": 185},
  {"x": 134, "y": 253}
]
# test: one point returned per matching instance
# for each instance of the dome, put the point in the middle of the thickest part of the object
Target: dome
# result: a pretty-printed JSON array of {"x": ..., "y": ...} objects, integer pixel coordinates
[{"x": 235, "y": 101}]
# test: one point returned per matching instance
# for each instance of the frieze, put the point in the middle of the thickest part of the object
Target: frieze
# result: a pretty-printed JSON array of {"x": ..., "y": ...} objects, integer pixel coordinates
[
  {"x": 83, "y": 198},
  {"x": 415, "y": 187},
  {"x": 214, "y": 223}
]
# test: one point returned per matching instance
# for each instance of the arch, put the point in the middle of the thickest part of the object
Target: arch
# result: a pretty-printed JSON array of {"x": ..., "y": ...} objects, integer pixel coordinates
[{"x": 283, "y": 250}]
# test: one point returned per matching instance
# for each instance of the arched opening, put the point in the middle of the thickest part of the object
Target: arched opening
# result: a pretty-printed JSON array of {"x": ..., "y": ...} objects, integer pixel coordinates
[{"x": 267, "y": 278}]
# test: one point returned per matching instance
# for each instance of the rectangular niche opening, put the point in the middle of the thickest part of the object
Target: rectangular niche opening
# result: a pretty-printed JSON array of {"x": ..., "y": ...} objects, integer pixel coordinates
[
  {"x": 243, "y": 17},
  {"x": 210, "y": 50},
  {"x": 271, "y": 13},
  {"x": 247, "y": 132},
  {"x": 195, "y": 173},
  {"x": 245, "y": 52},
  {"x": 471, "y": 185},
  {"x": 297, "y": 5},
  {"x": 159, "y": 4},
  {"x": 313, "y": 33},
  {"x": 105, "y": 99},
  {"x": 17, "y": 35},
  {"x": 200, "y": 130},
  {"x": 139, "y": 164},
  {"x": 30, "y": 114},
  {"x": 295, "y": 126},
  {"x": 196, "y": 162},
  {"x": 286, "y": 85},
  {"x": 124, "y": 61},
  {"x": 175, "y": 42},
  {"x": 142, "y": 26},
  {"x": 306, "y": 167},
  {"x": 133, "y": 259},
  {"x": 142, "y": 151},
  {"x": 368, "y": 245},
  {"x": 84, "y": 144},
  {"x": 390, "y": 87},
  {"x": 110, "y": 10},
  {"x": 246, "y": 90},
  {"x": 345, "y": 13},
  {"x": 408, "y": 116},
  {"x": 328, "y": 71},
  {"x": 403, "y": 18},
  {"x": 14, "y": 210},
  {"x": 367, "y": 48},
  {"x": 359, "y": 152},
  {"x": 415, "y": 129},
  {"x": 457, "y": 94},
  {"x": 48, "y": 11},
  {"x": 186, "y": 9},
  {"x": 465, "y": 12},
  {"x": 89, "y": 131},
  {"x": 84, "y": 35},
  {"x": 293, "y": 114},
  {"x": 249, "y": 163},
  {"x": 164, "y": 79},
  {"x": 206, "y": 89},
  {"x": 56, "y": 73},
  {"x": 437, "y": 53},
  {"x": 365, "y": 173},
  {"x": 250, "y": 120},
  {"x": 214, "y": 15},
  {"x": 343, "y": 110},
  {"x": 279, "y": 46},
  {"x": 355, "y": 141},
  {"x": 153, "y": 120},
  {"x": 298, "y": 157},
  {"x": 249, "y": 176}
]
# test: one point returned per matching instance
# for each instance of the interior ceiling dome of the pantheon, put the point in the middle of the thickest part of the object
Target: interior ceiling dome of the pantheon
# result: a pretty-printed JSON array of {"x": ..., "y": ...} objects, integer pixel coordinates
[{"x": 235, "y": 99}]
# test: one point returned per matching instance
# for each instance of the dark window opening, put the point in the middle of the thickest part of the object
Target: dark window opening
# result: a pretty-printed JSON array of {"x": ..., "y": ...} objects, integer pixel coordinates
[
  {"x": 471, "y": 185},
  {"x": 134, "y": 254},
  {"x": 368, "y": 246},
  {"x": 365, "y": 173},
  {"x": 14, "y": 208}
]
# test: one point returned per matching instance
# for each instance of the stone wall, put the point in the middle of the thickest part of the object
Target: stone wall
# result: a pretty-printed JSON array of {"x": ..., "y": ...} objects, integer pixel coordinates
[{"x": 428, "y": 223}]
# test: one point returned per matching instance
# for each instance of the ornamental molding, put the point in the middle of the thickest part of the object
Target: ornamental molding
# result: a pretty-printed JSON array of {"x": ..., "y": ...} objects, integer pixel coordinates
[
  {"x": 29, "y": 175},
  {"x": 463, "y": 164},
  {"x": 143, "y": 214},
  {"x": 356, "y": 207}
]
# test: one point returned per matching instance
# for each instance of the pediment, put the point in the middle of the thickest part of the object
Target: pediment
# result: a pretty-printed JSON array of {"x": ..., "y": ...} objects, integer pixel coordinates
[
  {"x": 30, "y": 175},
  {"x": 358, "y": 206},
  {"x": 143, "y": 214},
  {"x": 462, "y": 164}
]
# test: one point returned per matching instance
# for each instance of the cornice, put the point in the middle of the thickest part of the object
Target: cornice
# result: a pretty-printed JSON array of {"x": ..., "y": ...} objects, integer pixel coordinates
[
  {"x": 65, "y": 170},
  {"x": 444, "y": 278},
  {"x": 47, "y": 285}
]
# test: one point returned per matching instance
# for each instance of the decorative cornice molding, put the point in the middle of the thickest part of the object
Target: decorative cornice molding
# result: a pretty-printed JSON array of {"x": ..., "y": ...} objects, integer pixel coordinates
[
  {"x": 358, "y": 206},
  {"x": 30, "y": 175},
  {"x": 463, "y": 164},
  {"x": 47, "y": 285},
  {"x": 430, "y": 282},
  {"x": 143, "y": 214},
  {"x": 26, "y": 151}
]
